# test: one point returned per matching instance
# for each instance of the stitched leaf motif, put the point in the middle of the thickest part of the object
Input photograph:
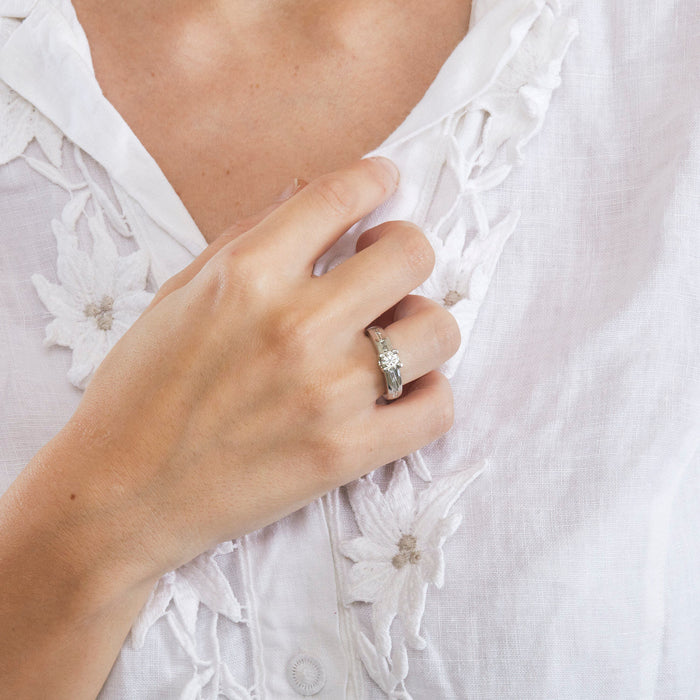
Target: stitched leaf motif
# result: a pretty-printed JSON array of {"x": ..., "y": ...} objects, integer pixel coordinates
[{"x": 20, "y": 123}]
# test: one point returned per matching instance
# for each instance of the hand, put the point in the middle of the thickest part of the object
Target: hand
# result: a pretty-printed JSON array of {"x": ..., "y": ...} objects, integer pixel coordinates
[{"x": 248, "y": 387}]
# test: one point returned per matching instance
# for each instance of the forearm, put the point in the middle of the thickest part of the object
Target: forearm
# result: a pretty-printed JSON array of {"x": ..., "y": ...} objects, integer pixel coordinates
[{"x": 65, "y": 609}]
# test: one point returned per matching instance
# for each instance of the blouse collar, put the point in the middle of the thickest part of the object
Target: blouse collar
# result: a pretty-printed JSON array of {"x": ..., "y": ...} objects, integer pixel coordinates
[{"x": 47, "y": 61}]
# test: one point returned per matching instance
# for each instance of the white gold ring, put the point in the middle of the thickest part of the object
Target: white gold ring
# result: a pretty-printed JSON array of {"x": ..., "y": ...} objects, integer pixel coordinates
[{"x": 388, "y": 362}]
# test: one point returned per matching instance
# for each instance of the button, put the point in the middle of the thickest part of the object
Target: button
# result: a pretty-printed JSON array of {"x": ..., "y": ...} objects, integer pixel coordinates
[{"x": 305, "y": 674}]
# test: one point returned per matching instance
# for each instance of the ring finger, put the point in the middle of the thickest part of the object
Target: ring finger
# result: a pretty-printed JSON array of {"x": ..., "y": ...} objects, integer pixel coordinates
[{"x": 423, "y": 333}]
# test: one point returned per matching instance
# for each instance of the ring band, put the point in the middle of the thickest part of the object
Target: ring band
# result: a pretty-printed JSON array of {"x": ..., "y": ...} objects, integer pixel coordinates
[{"x": 388, "y": 362}]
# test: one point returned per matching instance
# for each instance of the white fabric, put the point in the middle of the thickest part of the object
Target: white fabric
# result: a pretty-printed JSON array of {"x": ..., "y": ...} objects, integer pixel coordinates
[{"x": 547, "y": 545}]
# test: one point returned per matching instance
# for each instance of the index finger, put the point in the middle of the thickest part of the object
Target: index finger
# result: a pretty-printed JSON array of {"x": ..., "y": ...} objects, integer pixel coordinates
[{"x": 304, "y": 227}]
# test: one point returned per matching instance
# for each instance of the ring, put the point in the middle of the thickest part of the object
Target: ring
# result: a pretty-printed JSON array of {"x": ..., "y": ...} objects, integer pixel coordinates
[{"x": 388, "y": 362}]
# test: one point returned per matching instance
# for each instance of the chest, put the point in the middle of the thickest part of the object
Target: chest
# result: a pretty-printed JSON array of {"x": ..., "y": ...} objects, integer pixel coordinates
[{"x": 233, "y": 113}]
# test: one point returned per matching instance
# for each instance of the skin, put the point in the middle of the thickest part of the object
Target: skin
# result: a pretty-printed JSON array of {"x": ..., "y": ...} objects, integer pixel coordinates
[
  {"x": 162, "y": 459},
  {"x": 264, "y": 91}
]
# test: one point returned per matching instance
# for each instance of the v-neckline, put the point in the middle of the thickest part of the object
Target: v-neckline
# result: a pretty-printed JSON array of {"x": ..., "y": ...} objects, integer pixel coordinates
[{"x": 47, "y": 61}]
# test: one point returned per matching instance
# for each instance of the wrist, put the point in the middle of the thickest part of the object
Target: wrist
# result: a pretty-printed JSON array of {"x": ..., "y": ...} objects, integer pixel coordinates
[
  {"x": 68, "y": 605},
  {"x": 79, "y": 517}
]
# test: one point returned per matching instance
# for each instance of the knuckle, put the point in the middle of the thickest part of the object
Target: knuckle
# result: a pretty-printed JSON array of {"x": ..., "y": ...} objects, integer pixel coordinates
[
  {"x": 335, "y": 195},
  {"x": 417, "y": 251},
  {"x": 293, "y": 341},
  {"x": 447, "y": 333},
  {"x": 311, "y": 405},
  {"x": 238, "y": 274},
  {"x": 294, "y": 333}
]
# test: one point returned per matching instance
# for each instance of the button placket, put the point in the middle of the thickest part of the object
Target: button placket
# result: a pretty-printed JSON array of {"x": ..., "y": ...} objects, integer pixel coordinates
[{"x": 294, "y": 609}]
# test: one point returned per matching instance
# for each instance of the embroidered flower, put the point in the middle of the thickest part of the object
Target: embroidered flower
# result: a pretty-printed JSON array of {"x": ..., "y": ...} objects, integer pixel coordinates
[
  {"x": 400, "y": 550},
  {"x": 20, "y": 123},
  {"x": 519, "y": 98},
  {"x": 99, "y": 295},
  {"x": 463, "y": 273},
  {"x": 198, "y": 581}
]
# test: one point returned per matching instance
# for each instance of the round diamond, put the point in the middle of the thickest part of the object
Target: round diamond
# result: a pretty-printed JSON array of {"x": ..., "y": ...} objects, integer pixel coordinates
[{"x": 389, "y": 360}]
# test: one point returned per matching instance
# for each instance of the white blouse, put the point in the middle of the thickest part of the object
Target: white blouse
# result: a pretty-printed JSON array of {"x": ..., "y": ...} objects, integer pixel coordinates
[{"x": 547, "y": 546}]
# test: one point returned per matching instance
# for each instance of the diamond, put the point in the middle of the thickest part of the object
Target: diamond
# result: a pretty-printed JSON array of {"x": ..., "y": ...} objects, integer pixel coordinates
[{"x": 389, "y": 360}]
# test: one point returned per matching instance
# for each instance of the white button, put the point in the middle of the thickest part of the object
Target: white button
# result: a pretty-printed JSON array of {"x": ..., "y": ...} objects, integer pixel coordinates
[{"x": 305, "y": 674}]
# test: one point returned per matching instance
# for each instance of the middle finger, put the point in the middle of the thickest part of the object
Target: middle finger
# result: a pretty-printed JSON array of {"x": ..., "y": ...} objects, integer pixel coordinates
[{"x": 377, "y": 277}]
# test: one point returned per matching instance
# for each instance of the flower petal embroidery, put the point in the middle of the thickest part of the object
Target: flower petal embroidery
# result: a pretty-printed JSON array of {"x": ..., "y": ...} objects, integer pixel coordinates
[
  {"x": 230, "y": 687},
  {"x": 104, "y": 255},
  {"x": 132, "y": 271},
  {"x": 364, "y": 548},
  {"x": 154, "y": 609},
  {"x": 89, "y": 348},
  {"x": 401, "y": 500},
  {"x": 367, "y": 503},
  {"x": 369, "y": 579},
  {"x": 186, "y": 603},
  {"x": 73, "y": 266},
  {"x": 130, "y": 306},
  {"x": 417, "y": 464},
  {"x": 59, "y": 332},
  {"x": 432, "y": 565},
  {"x": 99, "y": 296},
  {"x": 394, "y": 575},
  {"x": 57, "y": 300},
  {"x": 212, "y": 587},
  {"x": 49, "y": 138},
  {"x": 74, "y": 209},
  {"x": 200, "y": 580},
  {"x": 434, "y": 502},
  {"x": 375, "y": 664}
]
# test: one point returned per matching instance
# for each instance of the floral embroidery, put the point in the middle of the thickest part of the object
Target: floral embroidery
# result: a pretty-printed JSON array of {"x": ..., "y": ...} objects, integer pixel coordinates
[
  {"x": 514, "y": 108},
  {"x": 519, "y": 98},
  {"x": 99, "y": 295},
  {"x": 200, "y": 580},
  {"x": 465, "y": 274},
  {"x": 23, "y": 123},
  {"x": 400, "y": 550},
  {"x": 177, "y": 597}
]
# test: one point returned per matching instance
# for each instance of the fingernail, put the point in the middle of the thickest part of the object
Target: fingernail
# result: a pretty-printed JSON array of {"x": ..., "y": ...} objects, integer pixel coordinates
[
  {"x": 389, "y": 166},
  {"x": 291, "y": 189}
]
